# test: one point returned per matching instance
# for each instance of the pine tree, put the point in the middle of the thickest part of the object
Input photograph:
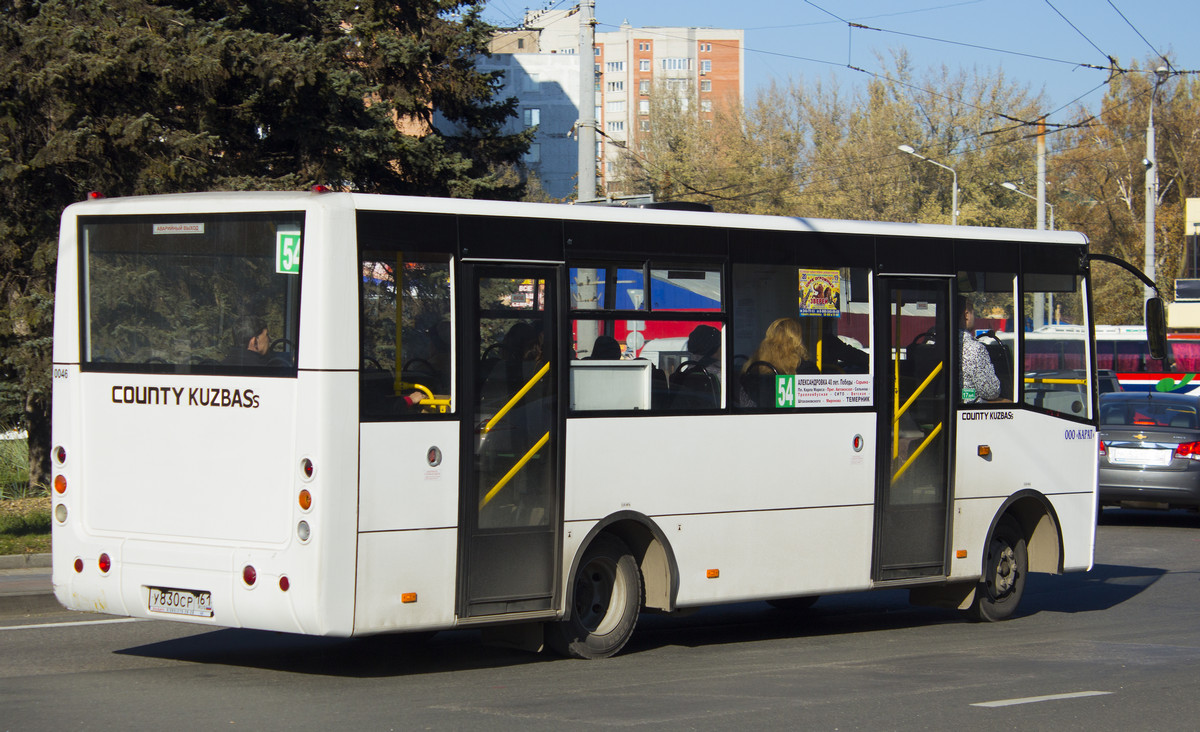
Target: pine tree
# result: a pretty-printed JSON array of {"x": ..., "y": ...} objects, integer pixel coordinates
[{"x": 134, "y": 97}]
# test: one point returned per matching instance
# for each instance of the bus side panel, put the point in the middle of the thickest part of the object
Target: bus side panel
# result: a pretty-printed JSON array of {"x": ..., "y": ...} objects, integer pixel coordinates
[
  {"x": 408, "y": 511},
  {"x": 1028, "y": 451},
  {"x": 693, "y": 465},
  {"x": 779, "y": 504},
  {"x": 773, "y": 553},
  {"x": 392, "y": 564},
  {"x": 399, "y": 488}
]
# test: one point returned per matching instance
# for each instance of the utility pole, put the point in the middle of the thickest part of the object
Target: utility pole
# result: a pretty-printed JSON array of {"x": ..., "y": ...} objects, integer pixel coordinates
[
  {"x": 1150, "y": 162},
  {"x": 587, "y": 101},
  {"x": 1039, "y": 304}
]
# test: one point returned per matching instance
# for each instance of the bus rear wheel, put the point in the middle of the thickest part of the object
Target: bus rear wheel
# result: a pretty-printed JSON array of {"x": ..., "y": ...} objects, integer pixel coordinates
[
  {"x": 1007, "y": 562},
  {"x": 606, "y": 599}
]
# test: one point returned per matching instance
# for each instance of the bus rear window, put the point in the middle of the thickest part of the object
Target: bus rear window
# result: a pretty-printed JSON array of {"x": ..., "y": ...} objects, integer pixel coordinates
[{"x": 214, "y": 294}]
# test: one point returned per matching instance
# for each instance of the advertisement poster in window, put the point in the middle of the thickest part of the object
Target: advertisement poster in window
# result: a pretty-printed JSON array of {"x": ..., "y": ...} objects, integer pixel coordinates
[{"x": 820, "y": 292}]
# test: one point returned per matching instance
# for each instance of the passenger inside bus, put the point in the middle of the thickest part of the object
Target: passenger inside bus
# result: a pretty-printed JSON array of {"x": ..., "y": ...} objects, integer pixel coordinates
[
  {"x": 696, "y": 384},
  {"x": 605, "y": 348},
  {"x": 251, "y": 342},
  {"x": 979, "y": 380},
  {"x": 782, "y": 351}
]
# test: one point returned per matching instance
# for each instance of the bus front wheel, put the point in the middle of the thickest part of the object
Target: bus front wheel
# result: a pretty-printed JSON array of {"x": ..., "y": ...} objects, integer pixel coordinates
[
  {"x": 1007, "y": 562},
  {"x": 606, "y": 599}
]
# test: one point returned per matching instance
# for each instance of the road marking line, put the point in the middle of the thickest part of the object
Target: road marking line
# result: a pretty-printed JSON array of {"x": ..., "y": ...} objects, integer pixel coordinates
[
  {"x": 1035, "y": 699},
  {"x": 73, "y": 624}
]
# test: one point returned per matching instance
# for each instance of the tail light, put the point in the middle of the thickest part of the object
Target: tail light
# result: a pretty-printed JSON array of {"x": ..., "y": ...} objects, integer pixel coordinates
[
  {"x": 1103, "y": 452},
  {"x": 1189, "y": 450},
  {"x": 105, "y": 563}
]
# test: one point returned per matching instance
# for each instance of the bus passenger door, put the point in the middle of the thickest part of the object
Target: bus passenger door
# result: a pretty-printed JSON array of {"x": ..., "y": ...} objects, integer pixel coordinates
[
  {"x": 512, "y": 435},
  {"x": 912, "y": 498}
]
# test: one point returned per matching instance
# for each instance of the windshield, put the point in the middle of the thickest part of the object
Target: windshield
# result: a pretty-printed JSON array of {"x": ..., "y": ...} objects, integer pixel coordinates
[{"x": 212, "y": 293}]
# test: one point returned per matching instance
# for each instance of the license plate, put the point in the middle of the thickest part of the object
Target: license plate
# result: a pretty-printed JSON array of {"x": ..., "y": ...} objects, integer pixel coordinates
[
  {"x": 196, "y": 603},
  {"x": 1139, "y": 456}
]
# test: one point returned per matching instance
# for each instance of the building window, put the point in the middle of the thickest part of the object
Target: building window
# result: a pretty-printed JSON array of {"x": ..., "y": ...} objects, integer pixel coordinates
[
  {"x": 533, "y": 117},
  {"x": 616, "y": 66},
  {"x": 534, "y": 154},
  {"x": 644, "y": 86},
  {"x": 676, "y": 64},
  {"x": 595, "y": 50},
  {"x": 616, "y": 86},
  {"x": 597, "y": 68},
  {"x": 644, "y": 65},
  {"x": 705, "y": 105},
  {"x": 643, "y": 106},
  {"x": 616, "y": 126},
  {"x": 615, "y": 107},
  {"x": 644, "y": 125},
  {"x": 644, "y": 46},
  {"x": 706, "y": 66},
  {"x": 597, "y": 116},
  {"x": 520, "y": 43},
  {"x": 705, "y": 47},
  {"x": 705, "y": 85}
]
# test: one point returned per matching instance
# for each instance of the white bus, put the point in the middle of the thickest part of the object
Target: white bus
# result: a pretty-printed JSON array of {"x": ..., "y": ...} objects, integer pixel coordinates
[{"x": 345, "y": 414}]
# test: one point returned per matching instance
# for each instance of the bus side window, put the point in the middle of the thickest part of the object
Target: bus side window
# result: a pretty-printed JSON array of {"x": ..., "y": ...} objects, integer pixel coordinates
[
  {"x": 1057, "y": 381},
  {"x": 796, "y": 321},
  {"x": 406, "y": 343},
  {"x": 991, "y": 323}
]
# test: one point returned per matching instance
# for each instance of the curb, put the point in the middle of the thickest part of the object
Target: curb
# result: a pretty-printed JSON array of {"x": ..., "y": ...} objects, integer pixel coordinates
[
  {"x": 33, "y": 603},
  {"x": 24, "y": 561}
]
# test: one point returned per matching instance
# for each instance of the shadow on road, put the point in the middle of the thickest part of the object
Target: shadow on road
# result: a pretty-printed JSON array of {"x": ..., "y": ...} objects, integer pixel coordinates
[{"x": 397, "y": 655}]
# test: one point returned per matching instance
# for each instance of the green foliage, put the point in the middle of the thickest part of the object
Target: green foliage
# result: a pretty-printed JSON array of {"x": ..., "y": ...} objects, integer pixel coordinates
[
  {"x": 34, "y": 522},
  {"x": 138, "y": 97},
  {"x": 14, "y": 469}
]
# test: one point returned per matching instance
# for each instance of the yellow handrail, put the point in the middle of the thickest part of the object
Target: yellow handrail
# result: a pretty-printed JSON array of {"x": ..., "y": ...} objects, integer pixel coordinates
[
  {"x": 1038, "y": 380},
  {"x": 514, "y": 470},
  {"x": 918, "y": 451},
  {"x": 902, "y": 409},
  {"x": 924, "y": 384},
  {"x": 516, "y": 398}
]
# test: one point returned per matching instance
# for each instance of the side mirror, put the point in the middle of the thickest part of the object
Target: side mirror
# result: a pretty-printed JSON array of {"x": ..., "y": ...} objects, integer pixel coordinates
[{"x": 1156, "y": 327}]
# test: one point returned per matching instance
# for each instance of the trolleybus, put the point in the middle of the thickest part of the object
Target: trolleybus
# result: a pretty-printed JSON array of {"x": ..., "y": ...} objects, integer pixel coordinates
[{"x": 343, "y": 414}]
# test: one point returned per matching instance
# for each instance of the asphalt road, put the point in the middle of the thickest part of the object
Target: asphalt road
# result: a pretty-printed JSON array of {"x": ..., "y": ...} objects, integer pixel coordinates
[{"x": 1115, "y": 649}]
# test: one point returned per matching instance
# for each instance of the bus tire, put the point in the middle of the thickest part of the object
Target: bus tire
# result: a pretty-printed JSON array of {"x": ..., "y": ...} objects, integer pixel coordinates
[
  {"x": 606, "y": 599},
  {"x": 1004, "y": 569}
]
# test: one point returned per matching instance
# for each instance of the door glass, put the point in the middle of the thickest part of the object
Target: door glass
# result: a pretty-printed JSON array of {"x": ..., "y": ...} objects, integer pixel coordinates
[
  {"x": 912, "y": 504},
  {"x": 511, "y": 506},
  {"x": 515, "y": 410}
]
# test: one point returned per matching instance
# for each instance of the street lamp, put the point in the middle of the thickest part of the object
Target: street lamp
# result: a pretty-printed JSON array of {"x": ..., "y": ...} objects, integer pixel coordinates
[
  {"x": 1151, "y": 165},
  {"x": 953, "y": 191},
  {"x": 1012, "y": 187}
]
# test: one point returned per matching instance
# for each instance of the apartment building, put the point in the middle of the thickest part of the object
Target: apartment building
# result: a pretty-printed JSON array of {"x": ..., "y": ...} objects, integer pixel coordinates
[{"x": 699, "y": 66}]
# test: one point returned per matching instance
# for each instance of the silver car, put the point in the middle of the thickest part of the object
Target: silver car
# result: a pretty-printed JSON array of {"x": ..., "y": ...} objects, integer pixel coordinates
[{"x": 1149, "y": 450}]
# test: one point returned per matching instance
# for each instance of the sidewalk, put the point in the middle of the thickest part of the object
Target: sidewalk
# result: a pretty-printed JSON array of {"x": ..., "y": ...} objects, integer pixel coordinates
[{"x": 25, "y": 586}]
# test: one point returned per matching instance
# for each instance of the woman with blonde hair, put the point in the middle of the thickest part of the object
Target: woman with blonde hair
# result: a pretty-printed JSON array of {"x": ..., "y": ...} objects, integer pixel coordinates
[
  {"x": 781, "y": 352},
  {"x": 782, "y": 348}
]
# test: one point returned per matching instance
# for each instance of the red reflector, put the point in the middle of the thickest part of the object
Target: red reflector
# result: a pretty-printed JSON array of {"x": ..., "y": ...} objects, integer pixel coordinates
[
  {"x": 93, "y": 195},
  {"x": 249, "y": 575},
  {"x": 78, "y": 564},
  {"x": 307, "y": 467},
  {"x": 105, "y": 563},
  {"x": 284, "y": 584},
  {"x": 60, "y": 454},
  {"x": 321, "y": 189}
]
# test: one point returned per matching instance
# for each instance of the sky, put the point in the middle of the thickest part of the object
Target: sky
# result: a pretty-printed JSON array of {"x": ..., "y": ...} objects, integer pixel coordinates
[{"x": 1044, "y": 44}]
